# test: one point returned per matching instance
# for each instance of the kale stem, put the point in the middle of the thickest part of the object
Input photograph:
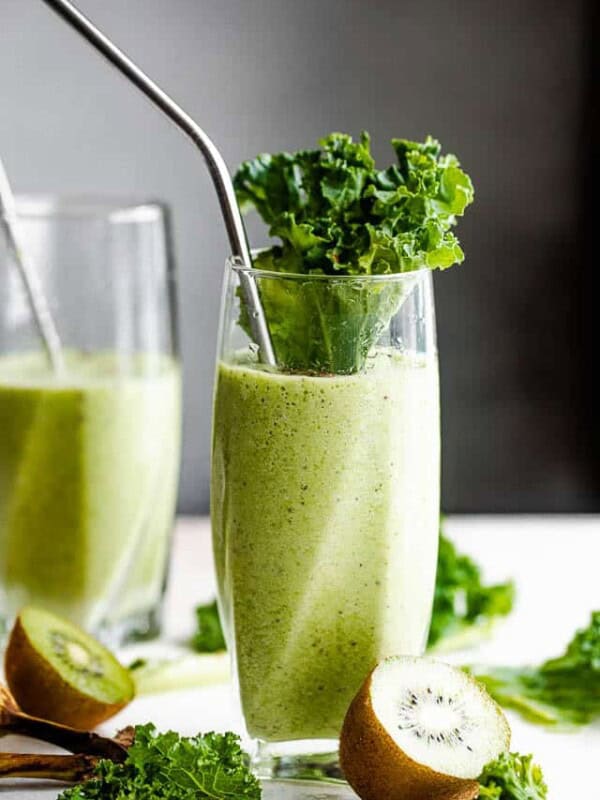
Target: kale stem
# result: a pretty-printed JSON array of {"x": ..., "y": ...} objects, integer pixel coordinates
[{"x": 331, "y": 366}]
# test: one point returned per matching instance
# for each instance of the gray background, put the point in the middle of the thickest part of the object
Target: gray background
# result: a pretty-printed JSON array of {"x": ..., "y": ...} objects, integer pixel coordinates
[{"x": 503, "y": 84}]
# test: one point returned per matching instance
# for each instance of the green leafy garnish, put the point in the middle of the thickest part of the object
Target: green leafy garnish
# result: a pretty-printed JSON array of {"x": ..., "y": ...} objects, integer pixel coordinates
[
  {"x": 464, "y": 608},
  {"x": 173, "y": 767},
  {"x": 563, "y": 691},
  {"x": 209, "y": 635},
  {"x": 512, "y": 777},
  {"x": 336, "y": 214}
]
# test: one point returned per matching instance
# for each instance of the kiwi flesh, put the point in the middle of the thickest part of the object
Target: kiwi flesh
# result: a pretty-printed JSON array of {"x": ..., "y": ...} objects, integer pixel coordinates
[
  {"x": 58, "y": 672},
  {"x": 420, "y": 730}
]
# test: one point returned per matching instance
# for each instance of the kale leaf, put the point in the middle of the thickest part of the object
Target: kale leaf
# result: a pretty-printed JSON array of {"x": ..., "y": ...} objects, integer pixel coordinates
[
  {"x": 563, "y": 691},
  {"x": 336, "y": 214},
  {"x": 463, "y": 607},
  {"x": 512, "y": 777},
  {"x": 172, "y": 767},
  {"x": 208, "y": 637}
]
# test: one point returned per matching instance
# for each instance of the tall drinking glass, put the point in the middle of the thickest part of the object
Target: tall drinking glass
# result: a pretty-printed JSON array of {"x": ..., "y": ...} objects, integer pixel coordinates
[
  {"x": 325, "y": 496},
  {"x": 89, "y": 456}
]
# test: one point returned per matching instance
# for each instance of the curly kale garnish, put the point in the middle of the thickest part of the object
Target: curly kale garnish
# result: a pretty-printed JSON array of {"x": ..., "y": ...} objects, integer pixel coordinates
[
  {"x": 336, "y": 214},
  {"x": 170, "y": 766},
  {"x": 512, "y": 777},
  {"x": 560, "y": 692},
  {"x": 464, "y": 608}
]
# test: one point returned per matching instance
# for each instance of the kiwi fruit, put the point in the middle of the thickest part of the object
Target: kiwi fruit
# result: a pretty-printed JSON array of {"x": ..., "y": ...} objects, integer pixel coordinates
[
  {"x": 420, "y": 730},
  {"x": 58, "y": 672}
]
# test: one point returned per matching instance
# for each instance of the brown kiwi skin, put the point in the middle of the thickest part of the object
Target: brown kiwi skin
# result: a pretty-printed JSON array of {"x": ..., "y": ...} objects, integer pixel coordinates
[
  {"x": 377, "y": 769},
  {"x": 27, "y": 673}
]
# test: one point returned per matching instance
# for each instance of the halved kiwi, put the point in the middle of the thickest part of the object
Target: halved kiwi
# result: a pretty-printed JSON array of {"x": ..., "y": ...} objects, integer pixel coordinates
[
  {"x": 420, "y": 730},
  {"x": 58, "y": 672}
]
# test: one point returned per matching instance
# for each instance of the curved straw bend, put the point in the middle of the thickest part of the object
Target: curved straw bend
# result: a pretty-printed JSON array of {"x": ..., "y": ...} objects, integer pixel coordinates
[{"x": 214, "y": 161}]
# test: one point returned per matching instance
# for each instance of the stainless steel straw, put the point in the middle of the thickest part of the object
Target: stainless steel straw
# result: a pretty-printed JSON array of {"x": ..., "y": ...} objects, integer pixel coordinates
[
  {"x": 214, "y": 161},
  {"x": 35, "y": 295}
]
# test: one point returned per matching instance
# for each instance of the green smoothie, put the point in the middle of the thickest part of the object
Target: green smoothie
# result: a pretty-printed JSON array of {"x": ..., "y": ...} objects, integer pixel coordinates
[
  {"x": 325, "y": 510},
  {"x": 88, "y": 475}
]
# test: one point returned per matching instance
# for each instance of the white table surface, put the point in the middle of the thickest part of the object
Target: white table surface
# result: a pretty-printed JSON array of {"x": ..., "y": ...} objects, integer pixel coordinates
[{"x": 554, "y": 561}]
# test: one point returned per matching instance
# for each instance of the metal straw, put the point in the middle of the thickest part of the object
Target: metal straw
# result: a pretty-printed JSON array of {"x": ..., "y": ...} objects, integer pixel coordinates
[
  {"x": 35, "y": 294},
  {"x": 214, "y": 161}
]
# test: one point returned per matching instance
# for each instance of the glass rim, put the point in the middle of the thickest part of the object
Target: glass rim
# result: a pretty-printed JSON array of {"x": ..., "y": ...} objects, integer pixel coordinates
[
  {"x": 114, "y": 209},
  {"x": 236, "y": 264}
]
